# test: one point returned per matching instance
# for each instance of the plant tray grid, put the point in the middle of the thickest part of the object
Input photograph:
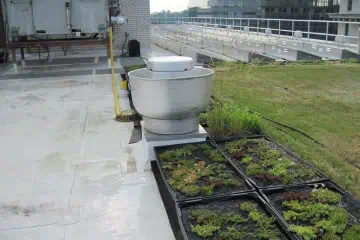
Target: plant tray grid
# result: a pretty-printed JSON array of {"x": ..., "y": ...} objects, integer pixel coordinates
[
  {"x": 348, "y": 202},
  {"x": 161, "y": 176},
  {"x": 182, "y": 231},
  {"x": 285, "y": 151}
]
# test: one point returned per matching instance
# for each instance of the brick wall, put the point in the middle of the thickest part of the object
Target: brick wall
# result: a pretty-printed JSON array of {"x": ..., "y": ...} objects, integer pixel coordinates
[{"x": 138, "y": 26}]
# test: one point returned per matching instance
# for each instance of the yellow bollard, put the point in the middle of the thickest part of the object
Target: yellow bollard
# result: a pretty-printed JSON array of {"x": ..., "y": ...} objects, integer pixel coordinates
[
  {"x": 123, "y": 85},
  {"x": 115, "y": 92}
]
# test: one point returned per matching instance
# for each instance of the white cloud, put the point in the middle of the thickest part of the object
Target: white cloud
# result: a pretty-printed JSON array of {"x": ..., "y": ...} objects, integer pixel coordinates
[{"x": 172, "y": 5}]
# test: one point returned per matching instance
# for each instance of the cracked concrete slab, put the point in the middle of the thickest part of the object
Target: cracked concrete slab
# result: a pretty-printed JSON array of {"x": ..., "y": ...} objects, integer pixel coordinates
[{"x": 55, "y": 232}]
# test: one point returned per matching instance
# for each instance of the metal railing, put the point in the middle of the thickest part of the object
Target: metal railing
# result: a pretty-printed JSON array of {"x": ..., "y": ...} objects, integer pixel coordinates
[{"x": 282, "y": 28}]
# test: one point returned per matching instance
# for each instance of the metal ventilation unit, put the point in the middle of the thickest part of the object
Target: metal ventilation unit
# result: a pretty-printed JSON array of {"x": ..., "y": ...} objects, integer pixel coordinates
[{"x": 171, "y": 93}]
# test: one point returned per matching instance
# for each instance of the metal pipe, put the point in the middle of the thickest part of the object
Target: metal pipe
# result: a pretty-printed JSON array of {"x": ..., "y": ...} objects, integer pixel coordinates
[
  {"x": 68, "y": 14},
  {"x": 115, "y": 92},
  {"x": 32, "y": 16}
]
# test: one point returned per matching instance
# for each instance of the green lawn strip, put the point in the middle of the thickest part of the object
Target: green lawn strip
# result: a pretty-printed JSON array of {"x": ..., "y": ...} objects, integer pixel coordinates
[
  {"x": 346, "y": 175},
  {"x": 321, "y": 100}
]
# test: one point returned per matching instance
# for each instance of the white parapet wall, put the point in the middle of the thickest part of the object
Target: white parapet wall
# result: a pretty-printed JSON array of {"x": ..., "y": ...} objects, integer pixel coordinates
[
  {"x": 187, "y": 50},
  {"x": 218, "y": 51}
]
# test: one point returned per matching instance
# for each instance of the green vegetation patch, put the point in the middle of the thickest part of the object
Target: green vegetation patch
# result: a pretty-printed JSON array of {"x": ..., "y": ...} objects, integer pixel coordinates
[
  {"x": 247, "y": 222},
  {"x": 318, "y": 215},
  {"x": 134, "y": 67},
  {"x": 224, "y": 120},
  {"x": 321, "y": 99},
  {"x": 195, "y": 170},
  {"x": 267, "y": 165}
]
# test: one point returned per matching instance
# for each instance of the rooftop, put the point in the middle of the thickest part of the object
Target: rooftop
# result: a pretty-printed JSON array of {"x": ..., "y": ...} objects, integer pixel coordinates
[{"x": 67, "y": 170}]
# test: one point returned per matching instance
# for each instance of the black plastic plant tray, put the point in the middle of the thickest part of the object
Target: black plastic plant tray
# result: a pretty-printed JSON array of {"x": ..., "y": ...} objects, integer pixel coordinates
[
  {"x": 161, "y": 175},
  {"x": 167, "y": 198},
  {"x": 320, "y": 177},
  {"x": 233, "y": 138},
  {"x": 228, "y": 204},
  {"x": 348, "y": 202}
]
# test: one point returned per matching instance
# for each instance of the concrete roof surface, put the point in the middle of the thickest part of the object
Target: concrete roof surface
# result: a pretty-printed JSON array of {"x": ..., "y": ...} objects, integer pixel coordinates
[{"x": 67, "y": 171}]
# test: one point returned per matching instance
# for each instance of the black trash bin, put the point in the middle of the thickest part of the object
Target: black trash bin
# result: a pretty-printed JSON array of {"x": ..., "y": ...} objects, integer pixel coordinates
[{"x": 134, "y": 48}]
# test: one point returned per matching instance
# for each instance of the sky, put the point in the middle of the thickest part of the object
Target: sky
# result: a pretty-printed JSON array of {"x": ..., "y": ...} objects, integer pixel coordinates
[{"x": 172, "y": 5}]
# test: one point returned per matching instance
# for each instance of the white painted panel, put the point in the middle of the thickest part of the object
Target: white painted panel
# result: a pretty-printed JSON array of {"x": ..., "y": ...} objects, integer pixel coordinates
[
  {"x": 20, "y": 16},
  {"x": 50, "y": 15},
  {"x": 87, "y": 15}
]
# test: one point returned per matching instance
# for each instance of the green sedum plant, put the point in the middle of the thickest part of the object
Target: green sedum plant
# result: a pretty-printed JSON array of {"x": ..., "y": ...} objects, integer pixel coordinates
[
  {"x": 266, "y": 164},
  {"x": 194, "y": 178},
  {"x": 326, "y": 196},
  {"x": 280, "y": 168},
  {"x": 212, "y": 153},
  {"x": 318, "y": 216},
  {"x": 174, "y": 155},
  {"x": 232, "y": 233},
  {"x": 306, "y": 211},
  {"x": 205, "y": 230},
  {"x": 306, "y": 233},
  {"x": 353, "y": 233},
  {"x": 336, "y": 223},
  {"x": 236, "y": 146},
  {"x": 229, "y": 225},
  {"x": 254, "y": 169},
  {"x": 246, "y": 160}
]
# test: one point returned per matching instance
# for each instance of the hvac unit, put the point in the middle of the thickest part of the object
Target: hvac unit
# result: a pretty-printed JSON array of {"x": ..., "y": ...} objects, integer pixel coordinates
[{"x": 52, "y": 17}]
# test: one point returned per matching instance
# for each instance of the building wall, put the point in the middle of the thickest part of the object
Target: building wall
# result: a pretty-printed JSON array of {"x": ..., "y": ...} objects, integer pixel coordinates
[
  {"x": 198, "y": 3},
  {"x": 353, "y": 28},
  {"x": 353, "y": 31},
  {"x": 355, "y": 6},
  {"x": 341, "y": 29},
  {"x": 138, "y": 25},
  {"x": 200, "y": 12},
  {"x": 292, "y": 9},
  {"x": 234, "y": 8},
  {"x": 300, "y": 9},
  {"x": 2, "y": 28}
]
